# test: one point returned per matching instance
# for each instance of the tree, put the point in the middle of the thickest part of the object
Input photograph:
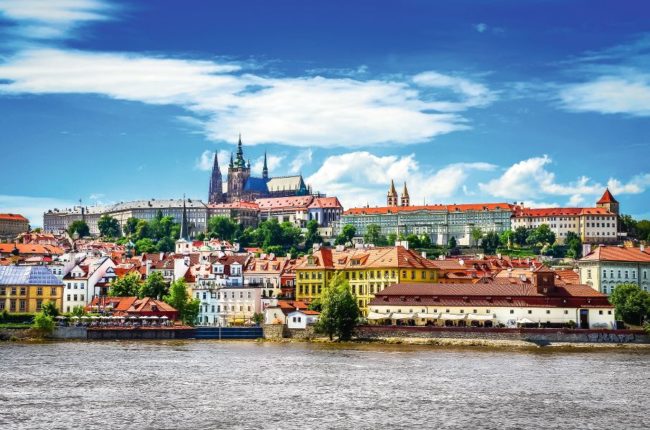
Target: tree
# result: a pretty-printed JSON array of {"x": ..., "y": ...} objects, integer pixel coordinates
[
  {"x": 108, "y": 226},
  {"x": 126, "y": 286},
  {"x": 425, "y": 241},
  {"x": 43, "y": 323},
  {"x": 180, "y": 299},
  {"x": 340, "y": 312},
  {"x": 78, "y": 311},
  {"x": 347, "y": 234},
  {"x": 312, "y": 236},
  {"x": 391, "y": 238},
  {"x": 373, "y": 235},
  {"x": 50, "y": 309},
  {"x": 154, "y": 286},
  {"x": 542, "y": 235},
  {"x": 269, "y": 233},
  {"x": 80, "y": 227},
  {"x": 222, "y": 227},
  {"x": 451, "y": 243},
  {"x": 291, "y": 235},
  {"x": 476, "y": 234},
  {"x": 145, "y": 245},
  {"x": 258, "y": 318},
  {"x": 413, "y": 240},
  {"x": 506, "y": 238},
  {"x": 490, "y": 242},
  {"x": 520, "y": 236},
  {"x": 632, "y": 303},
  {"x": 166, "y": 244},
  {"x": 573, "y": 245},
  {"x": 130, "y": 226},
  {"x": 142, "y": 230}
]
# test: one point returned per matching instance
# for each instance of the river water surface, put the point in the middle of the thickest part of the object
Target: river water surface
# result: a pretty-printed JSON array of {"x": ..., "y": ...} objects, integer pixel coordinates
[{"x": 249, "y": 385}]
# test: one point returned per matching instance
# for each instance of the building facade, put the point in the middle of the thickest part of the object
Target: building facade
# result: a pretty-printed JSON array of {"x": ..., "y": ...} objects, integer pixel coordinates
[
  {"x": 12, "y": 225},
  {"x": 540, "y": 300},
  {"x": 593, "y": 225},
  {"x": 606, "y": 267},
  {"x": 24, "y": 289},
  {"x": 245, "y": 213},
  {"x": 368, "y": 270}
]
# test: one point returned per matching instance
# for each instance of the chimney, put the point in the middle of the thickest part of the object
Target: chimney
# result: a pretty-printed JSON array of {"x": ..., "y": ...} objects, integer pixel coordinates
[
  {"x": 424, "y": 254},
  {"x": 148, "y": 267},
  {"x": 642, "y": 248}
]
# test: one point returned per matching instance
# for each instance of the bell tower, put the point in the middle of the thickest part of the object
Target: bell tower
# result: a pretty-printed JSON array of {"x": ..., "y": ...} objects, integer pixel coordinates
[
  {"x": 391, "y": 197},
  {"x": 406, "y": 200}
]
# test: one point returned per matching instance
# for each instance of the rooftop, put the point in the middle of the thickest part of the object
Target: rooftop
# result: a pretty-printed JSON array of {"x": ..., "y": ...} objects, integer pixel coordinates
[{"x": 27, "y": 275}]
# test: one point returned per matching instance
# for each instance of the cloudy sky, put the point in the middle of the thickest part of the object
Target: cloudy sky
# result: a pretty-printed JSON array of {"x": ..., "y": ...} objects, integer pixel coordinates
[{"x": 546, "y": 102}]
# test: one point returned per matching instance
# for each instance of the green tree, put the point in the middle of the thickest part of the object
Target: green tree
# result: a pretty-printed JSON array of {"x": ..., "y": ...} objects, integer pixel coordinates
[
  {"x": 391, "y": 238},
  {"x": 340, "y": 312},
  {"x": 520, "y": 236},
  {"x": 126, "y": 286},
  {"x": 413, "y": 240},
  {"x": 154, "y": 286},
  {"x": 222, "y": 227},
  {"x": 643, "y": 229},
  {"x": 628, "y": 225},
  {"x": 632, "y": 303},
  {"x": 50, "y": 309},
  {"x": 507, "y": 238},
  {"x": 166, "y": 244},
  {"x": 78, "y": 311},
  {"x": 269, "y": 233},
  {"x": 258, "y": 318},
  {"x": 79, "y": 227},
  {"x": 145, "y": 245},
  {"x": 373, "y": 235},
  {"x": 476, "y": 234},
  {"x": 573, "y": 245},
  {"x": 43, "y": 323},
  {"x": 425, "y": 241},
  {"x": 108, "y": 226},
  {"x": 130, "y": 226},
  {"x": 291, "y": 235},
  {"x": 490, "y": 242},
  {"x": 451, "y": 243},
  {"x": 542, "y": 235},
  {"x": 180, "y": 299},
  {"x": 312, "y": 236},
  {"x": 142, "y": 230},
  {"x": 347, "y": 234}
]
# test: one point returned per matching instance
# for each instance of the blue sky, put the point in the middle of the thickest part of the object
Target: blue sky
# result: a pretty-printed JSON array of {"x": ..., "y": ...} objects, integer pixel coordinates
[{"x": 546, "y": 102}]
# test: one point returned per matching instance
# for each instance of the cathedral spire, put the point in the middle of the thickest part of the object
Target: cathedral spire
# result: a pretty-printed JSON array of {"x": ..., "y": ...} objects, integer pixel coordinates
[
  {"x": 184, "y": 228},
  {"x": 240, "y": 162},
  {"x": 265, "y": 169},
  {"x": 231, "y": 165},
  {"x": 215, "y": 194},
  {"x": 391, "y": 197},
  {"x": 406, "y": 200}
]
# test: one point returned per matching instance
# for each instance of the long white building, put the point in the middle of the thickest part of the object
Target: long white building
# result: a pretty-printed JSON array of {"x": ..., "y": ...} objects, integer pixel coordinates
[{"x": 606, "y": 267}]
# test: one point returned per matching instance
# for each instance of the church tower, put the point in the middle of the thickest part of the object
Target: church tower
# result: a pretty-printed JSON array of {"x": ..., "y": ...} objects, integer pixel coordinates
[
  {"x": 265, "y": 169},
  {"x": 215, "y": 194},
  {"x": 238, "y": 174},
  {"x": 391, "y": 198},
  {"x": 406, "y": 200}
]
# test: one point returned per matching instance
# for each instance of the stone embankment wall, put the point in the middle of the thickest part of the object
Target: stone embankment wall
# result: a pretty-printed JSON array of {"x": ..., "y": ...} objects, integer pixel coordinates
[
  {"x": 11, "y": 333},
  {"x": 70, "y": 333},
  {"x": 280, "y": 331},
  {"x": 529, "y": 335},
  {"x": 136, "y": 334}
]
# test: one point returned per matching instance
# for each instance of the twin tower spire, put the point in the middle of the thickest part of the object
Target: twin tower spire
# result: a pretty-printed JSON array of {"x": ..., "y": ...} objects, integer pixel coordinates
[{"x": 392, "y": 198}]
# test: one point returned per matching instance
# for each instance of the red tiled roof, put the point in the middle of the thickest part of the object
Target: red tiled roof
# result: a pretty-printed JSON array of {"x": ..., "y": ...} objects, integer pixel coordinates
[
  {"x": 235, "y": 205},
  {"x": 379, "y": 257},
  {"x": 13, "y": 217},
  {"x": 447, "y": 208},
  {"x": 606, "y": 198},
  {"x": 7, "y": 248},
  {"x": 326, "y": 202},
  {"x": 568, "y": 276},
  {"x": 298, "y": 202},
  {"x": 617, "y": 253},
  {"x": 545, "y": 212}
]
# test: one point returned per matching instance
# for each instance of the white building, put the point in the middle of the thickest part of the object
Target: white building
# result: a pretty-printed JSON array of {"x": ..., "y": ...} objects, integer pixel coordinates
[
  {"x": 80, "y": 282},
  {"x": 302, "y": 319},
  {"x": 540, "y": 301},
  {"x": 237, "y": 305},
  {"x": 592, "y": 225},
  {"x": 606, "y": 267}
]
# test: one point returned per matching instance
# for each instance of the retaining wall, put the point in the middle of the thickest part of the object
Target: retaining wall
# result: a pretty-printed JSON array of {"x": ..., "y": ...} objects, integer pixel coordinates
[
  {"x": 138, "y": 333},
  {"x": 530, "y": 335},
  {"x": 70, "y": 333}
]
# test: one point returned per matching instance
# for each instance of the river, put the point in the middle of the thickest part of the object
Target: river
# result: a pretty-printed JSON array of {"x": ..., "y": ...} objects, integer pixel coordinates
[{"x": 251, "y": 385}]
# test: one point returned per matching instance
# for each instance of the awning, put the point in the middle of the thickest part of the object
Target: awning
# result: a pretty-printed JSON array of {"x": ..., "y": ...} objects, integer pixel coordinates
[
  {"x": 399, "y": 316},
  {"x": 483, "y": 317},
  {"x": 378, "y": 316},
  {"x": 453, "y": 317},
  {"x": 426, "y": 316}
]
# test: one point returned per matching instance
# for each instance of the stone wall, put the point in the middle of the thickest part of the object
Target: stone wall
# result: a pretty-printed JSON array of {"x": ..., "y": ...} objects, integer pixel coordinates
[
  {"x": 275, "y": 331},
  {"x": 14, "y": 333},
  {"x": 529, "y": 335},
  {"x": 136, "y": 334},
  {"x": 300, "y": 333}
]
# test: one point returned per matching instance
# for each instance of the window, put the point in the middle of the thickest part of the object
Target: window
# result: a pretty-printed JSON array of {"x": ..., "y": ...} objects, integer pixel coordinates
[
  {"x": 23, "y": 305},
  {"x": 512, "y": 311},
  {"x": 530, "y": 311},
  {"x": 548, "y": 311},
  {"x": 39, "y": 303},
  {"x": 566, "y": 312},
  {"x": 39, "y": 291},
  {"x": 600, "y": 312},
  {"x": 53, "y": 291}
]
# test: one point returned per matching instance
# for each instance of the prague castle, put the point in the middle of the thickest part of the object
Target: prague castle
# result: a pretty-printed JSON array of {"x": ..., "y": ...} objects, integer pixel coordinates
[{"x": 242, "y": 186}]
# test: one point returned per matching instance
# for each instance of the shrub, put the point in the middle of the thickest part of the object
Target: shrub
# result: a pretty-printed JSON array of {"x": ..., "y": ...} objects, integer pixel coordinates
[{"x": 43, "y": 323}]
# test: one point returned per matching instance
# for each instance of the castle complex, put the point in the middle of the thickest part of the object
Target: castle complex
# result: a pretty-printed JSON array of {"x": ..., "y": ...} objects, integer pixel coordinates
[{"x": 244, "y": 187}]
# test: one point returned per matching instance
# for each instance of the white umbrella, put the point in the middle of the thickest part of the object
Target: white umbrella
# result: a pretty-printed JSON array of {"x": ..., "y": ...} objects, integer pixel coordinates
[
  {"x": 94, "y": 317},
  {"x": 378, "y": 316},
  {"x": 143, "y": 318},
  {"x": 164, "y": 317},
  {"x": 133, "y": 317},
  {"x": 84, "y": 317},
  {"x": 74, "y": 317},
  {"x": 60, "y": 317},
  {"x": 525, "y": 321}
]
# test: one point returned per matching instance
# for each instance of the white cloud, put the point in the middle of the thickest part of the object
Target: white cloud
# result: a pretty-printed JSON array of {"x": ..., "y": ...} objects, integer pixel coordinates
[
  {"x": 303, "y": 111},
  {"x": 273, "y": 162},
  {"x": 481, "y": 27},
  {"x": 303, "y": 158},
  {"x": 530, "y": 178},
  {"x": 52, "y": 19},
  {"x": 610, "y": 95},
  {"x": 32, "y": 207},
  {"x": 360, "y": 178},
  {"x": 206, "y": 160}
]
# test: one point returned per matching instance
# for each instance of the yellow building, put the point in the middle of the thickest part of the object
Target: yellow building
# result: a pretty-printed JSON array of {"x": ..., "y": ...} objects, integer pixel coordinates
[
  {"x": 24, "y": 289},
  {"x": 368, "y": 270}
]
